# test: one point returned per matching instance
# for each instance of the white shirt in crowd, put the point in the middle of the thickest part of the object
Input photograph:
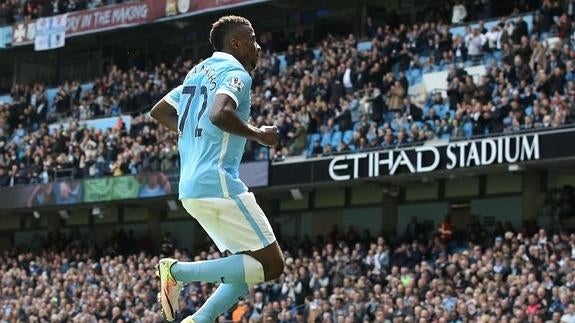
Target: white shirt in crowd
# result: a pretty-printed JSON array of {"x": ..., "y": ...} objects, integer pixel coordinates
[
  {"x": 475, "y": 44},
  {"x": 494, "y": 39},
  {"x": 347, "y": 78}
]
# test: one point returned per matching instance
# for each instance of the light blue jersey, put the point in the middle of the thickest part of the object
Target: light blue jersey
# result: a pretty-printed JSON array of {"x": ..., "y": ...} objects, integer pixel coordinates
[{"x": 209, "y": 157}]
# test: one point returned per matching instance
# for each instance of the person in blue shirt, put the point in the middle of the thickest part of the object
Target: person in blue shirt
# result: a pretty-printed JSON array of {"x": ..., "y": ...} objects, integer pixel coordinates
[{"x": 210, "y": 112}]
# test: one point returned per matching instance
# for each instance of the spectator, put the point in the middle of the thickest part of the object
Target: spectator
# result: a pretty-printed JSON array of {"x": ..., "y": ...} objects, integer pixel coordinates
[
  {"x": 396, "y": 95},
  {"x": 446, "y": 229}
]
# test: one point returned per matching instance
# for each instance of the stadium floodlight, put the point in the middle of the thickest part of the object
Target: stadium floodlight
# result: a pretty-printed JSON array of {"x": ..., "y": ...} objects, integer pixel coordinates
[
  {"x": 96, "y": 210},
  {"x": 64, "y": 214},
  {"x": 296, "y": 194},
  {"x": 172, "y": 205},
  {"x": 36, "y": 214},
  {"x": 514, "y": 168}
]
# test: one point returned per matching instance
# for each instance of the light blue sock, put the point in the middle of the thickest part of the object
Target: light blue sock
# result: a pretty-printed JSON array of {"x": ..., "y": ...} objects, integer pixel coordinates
[
  {"x": 234, "y": 269},
  {"x": 221, "y": 300}
]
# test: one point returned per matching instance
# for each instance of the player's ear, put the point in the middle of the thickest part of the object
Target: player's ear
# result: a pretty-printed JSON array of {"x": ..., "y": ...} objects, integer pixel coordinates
[{"x": 235, "y": 43}]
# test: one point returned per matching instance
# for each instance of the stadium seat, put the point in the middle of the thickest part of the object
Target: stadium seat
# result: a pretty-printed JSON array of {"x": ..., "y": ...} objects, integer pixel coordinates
[
  {"x": 316, "y": 53},
  {"x": 348, "y": 136},
  {"x": 283, "y": 63},
  {"x": 364, "y": 46},
  {"x": 5, "y": 98},
  {"x": 425, "y": 110},
  {"x": 468, "y": 129},
  {"x": 498, "y": 55},
  {"x": 336, "y": 139},
  {"x": 325, "y": 139},
  {"x": 313, "y": 138}
]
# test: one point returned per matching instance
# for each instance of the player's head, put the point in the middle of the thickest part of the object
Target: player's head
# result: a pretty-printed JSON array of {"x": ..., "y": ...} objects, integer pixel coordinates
[{"x": 235, "y": 35}]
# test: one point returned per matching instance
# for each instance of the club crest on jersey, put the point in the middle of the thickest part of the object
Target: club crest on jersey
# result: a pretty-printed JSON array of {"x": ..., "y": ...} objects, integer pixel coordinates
[{"x": 236, "y": 83}]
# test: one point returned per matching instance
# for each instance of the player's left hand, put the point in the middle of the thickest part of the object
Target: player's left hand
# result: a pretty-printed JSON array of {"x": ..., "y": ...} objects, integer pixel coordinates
[{"x": 268, "y": 136}]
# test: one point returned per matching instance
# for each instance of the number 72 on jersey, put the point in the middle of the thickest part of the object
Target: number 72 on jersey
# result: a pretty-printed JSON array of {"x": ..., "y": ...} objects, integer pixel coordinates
[{"x": 191, "y": 90}]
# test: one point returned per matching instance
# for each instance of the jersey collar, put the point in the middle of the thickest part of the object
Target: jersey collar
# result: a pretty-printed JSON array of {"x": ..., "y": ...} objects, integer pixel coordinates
[{"x": 227, "y": 56}]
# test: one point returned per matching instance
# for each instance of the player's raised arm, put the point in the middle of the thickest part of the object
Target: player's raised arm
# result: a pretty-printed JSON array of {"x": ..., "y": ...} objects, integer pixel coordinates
[
  {"x": 166, "y": 110},
  {"x": 223, "y": 116}
]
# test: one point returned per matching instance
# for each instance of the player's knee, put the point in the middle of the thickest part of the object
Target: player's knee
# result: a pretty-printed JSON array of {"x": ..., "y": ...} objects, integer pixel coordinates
[{"x": 275, "y": 267}]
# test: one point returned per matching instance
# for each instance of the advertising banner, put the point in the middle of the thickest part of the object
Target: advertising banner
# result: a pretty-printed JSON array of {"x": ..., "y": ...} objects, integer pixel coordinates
[
  {"x": 111, "y": 188},
  {"x": 485, "y": 152},
  {"x": 122, "y": 15},
  {"x": 93, "y": 20},
  {"x": 105, "y": 189}
]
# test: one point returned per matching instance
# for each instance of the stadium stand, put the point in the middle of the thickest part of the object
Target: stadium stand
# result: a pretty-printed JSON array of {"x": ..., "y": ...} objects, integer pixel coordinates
[
  {"x": 401, "y": 86},
  {"x": 344, "y": 98},
  {"x": 505, "y": 275}
]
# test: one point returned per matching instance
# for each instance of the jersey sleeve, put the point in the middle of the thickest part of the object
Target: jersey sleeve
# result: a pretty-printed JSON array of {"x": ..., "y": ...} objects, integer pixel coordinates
[
  {"x": 173, "y": 97},
  {"x": 236, "y": 84}
]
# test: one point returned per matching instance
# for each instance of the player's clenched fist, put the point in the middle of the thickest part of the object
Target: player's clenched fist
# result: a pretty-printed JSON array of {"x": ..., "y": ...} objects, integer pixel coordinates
[{"x": 268, "y": 136}]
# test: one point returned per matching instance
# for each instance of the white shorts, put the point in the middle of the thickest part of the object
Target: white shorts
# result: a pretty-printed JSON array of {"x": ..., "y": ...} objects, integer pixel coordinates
[{"x": 236, "y": 223}]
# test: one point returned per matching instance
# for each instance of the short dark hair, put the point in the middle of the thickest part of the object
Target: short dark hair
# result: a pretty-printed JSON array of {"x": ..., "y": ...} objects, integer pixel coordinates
[{"x": 222, "y": 28}]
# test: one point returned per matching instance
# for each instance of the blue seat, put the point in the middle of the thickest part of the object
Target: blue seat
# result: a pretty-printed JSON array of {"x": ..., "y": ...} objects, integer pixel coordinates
[
  {"x": 442, "y": 110},
  {"x": 425, "y": 110},
  {"x": 498, "y": 55},
  {"x": 348, "y": 136},
  {"x": 445, "y": 136},
  {"x": 468, "y": 129},
  {"x": 336, "y": 139},
  {"x": 308, "y": 152},
  {"x": 313, "y": 138},
  {"x": 326, "y": 139},
  {"x": 317, "y": 53},
  {"x": 283, "y": 63},
  {"x": 364, "y": 46}
]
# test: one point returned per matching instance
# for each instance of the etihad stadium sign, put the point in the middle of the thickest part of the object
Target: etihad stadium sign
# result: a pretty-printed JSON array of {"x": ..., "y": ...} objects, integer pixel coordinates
[
  {"x": 425, "y": 158},
  {"x": 428, "y": 158}
]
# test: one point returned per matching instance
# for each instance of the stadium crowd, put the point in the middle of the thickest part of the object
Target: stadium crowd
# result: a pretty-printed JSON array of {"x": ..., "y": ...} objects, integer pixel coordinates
[
  {"x": 502, "y": 275},
  {"x": 327, "y": 98}
]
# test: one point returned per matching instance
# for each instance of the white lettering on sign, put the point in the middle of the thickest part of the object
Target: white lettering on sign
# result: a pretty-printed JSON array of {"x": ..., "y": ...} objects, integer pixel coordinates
[{"x": 423, "y": 159}]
